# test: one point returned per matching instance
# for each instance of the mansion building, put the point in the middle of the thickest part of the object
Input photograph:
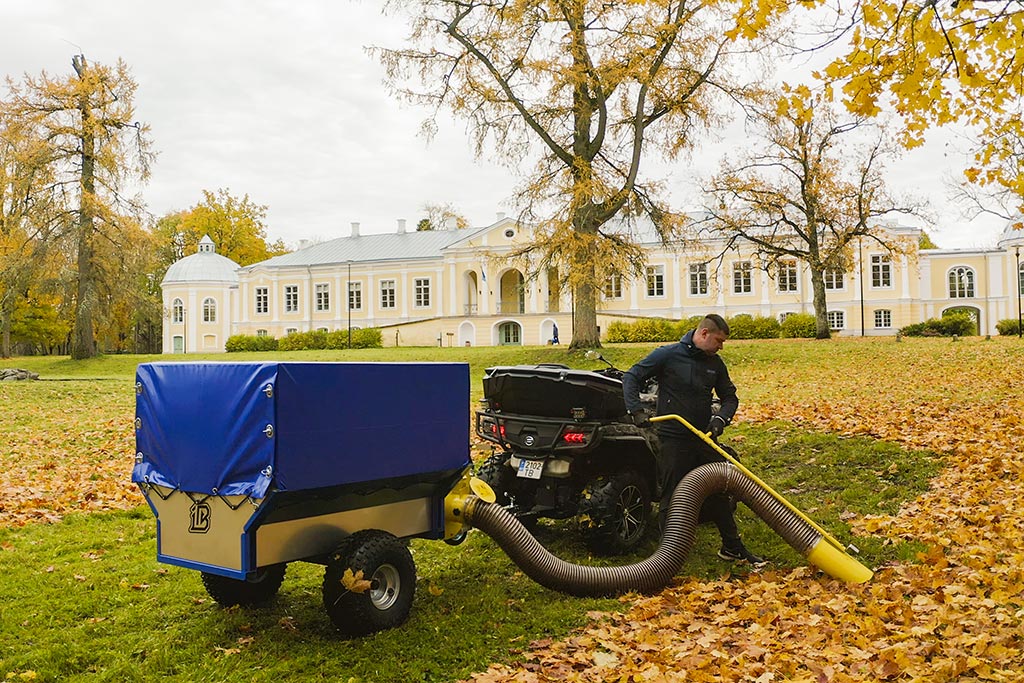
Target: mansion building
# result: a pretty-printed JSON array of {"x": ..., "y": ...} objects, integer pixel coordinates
[{"x": 452, "y": 287}]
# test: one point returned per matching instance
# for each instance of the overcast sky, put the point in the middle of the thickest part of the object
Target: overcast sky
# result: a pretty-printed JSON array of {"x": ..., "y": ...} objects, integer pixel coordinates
[{"x": 279, "y": 101}]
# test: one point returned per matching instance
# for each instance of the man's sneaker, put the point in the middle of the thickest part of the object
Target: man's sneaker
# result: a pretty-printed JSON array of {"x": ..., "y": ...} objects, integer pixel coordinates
[{"x": 740, "y": 553}]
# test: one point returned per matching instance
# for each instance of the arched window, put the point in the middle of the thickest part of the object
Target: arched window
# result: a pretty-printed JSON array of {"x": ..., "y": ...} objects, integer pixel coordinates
[
  {"x": 177, "y": 311},
  {"x": 961, "y": 282},
  {"x": 209, "y": 310}
]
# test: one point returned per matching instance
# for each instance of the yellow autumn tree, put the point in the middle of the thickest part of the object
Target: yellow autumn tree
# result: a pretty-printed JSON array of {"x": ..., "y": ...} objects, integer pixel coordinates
[
  {"x": 96, "y": 151},
  {"x": 581, "y": 93},
  {"x": 26, "y": 219},
  {"x": 940, "y": 62},
  {"x": 236, "y": 226},
  {"x": 805, "y": 192}
]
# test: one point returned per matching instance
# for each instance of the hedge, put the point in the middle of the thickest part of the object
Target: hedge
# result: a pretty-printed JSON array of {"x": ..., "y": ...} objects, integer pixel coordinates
[{"x": 365, "y": 338}]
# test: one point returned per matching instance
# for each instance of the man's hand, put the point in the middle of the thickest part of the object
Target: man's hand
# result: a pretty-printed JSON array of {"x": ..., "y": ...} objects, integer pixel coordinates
[
  {"x": 641, "y": 418},
  {"x": 716, "y": 426}
]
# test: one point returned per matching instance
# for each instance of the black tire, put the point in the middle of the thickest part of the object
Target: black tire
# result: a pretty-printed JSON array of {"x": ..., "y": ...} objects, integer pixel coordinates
[
  {"x": 388, "y": 565},
  {"x": 258, "y": 589},
  {"x": 496, "y": 472},
  {"x": 615, "y": 510}
]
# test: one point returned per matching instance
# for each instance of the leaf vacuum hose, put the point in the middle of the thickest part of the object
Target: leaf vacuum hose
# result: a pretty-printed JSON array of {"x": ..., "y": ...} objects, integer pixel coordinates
[{"x": 677, "y": 539}]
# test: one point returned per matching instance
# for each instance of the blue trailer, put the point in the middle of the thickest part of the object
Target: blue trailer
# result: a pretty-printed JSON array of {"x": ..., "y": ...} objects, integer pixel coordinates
[{"x": 250, "y": 466}]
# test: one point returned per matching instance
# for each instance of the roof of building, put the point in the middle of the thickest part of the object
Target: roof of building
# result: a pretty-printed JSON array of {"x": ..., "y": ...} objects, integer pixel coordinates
[
  {"x": 403, "y": 246},
  {"x": 206, "y": 265}
]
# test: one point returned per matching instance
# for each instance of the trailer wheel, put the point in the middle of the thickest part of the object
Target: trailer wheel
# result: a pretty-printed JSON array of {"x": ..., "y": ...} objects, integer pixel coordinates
[
  {"x": 614, "y": 512},
  {"x": 259, "y": 588},
  {"x": 377, "y": 592},
  {"x": 498, "y": 475}
]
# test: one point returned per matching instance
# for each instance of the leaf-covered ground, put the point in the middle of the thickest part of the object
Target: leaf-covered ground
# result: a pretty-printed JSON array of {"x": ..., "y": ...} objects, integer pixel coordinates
[{"x": 957, "y": 614}]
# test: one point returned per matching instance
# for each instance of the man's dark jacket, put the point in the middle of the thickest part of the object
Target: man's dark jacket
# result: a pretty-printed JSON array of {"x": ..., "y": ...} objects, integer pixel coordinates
[{"x": 686, "y": 378}]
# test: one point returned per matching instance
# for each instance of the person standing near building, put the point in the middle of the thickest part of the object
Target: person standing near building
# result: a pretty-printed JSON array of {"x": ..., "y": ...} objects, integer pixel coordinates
[{"x": 690, "y": 374}]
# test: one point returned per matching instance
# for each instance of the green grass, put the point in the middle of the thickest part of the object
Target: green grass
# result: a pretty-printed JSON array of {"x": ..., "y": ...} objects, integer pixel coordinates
[{"x": 85, "y": 599}]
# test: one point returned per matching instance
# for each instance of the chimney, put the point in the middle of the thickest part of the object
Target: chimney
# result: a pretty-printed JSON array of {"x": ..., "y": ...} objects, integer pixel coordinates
[
  {"x": 355, "y": 229},
  {"x": 451, "y": 223},
  {"x": 501, "y": 215},
  {"x": 401, "y": 226},
  {"x": 303, "y": 244}
]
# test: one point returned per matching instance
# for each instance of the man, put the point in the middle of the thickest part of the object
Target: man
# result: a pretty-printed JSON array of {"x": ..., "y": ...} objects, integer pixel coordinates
[{"x": 689, "y": 375}]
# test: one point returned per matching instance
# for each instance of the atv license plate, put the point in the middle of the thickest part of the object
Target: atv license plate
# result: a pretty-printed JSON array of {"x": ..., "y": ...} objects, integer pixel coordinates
[{"x": 530, "y": 469}]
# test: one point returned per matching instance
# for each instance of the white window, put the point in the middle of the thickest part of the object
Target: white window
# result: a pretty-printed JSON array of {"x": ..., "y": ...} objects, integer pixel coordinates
[
  {"x": 836, "y": 320},
  {"x": 613, "y": 287},
  {"x": 883, "y": 318},
  {"x": 209, "y": 310},
  {"x": 881, "y": 271},
  {"x": 387, "y": 293},
  {"x": 355, "y": 296},
  {"x": 961, "y": 283},
  {"x": 290, "y": 330},
  {"x": 323, "y": 297},
  {"x": 742, "y": 282},
  {"x": 834, "y": 278},
  {"x": 698, "y": 279},
  {"x": 177, "y": 311},
  {"x": 783, "y": 316},
  {"x": 291, "y": 298},
  {"x": 655, "y": 281},
  {"x": 421, "y": 292},
  {"x": 262, "y": 300},
  {"x": 261, "y": 333},
  {"x": 788, "y": 276}
]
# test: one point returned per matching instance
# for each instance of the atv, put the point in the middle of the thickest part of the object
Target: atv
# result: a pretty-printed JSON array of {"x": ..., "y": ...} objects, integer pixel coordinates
[{"x": 565, "y": 447}]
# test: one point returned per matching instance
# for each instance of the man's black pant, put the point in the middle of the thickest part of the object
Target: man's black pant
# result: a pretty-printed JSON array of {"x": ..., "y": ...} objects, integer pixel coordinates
[{"x": 680, "y": 455}]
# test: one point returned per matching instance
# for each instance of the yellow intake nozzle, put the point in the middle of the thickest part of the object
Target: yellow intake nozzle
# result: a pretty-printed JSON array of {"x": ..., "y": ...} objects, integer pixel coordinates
[{"x": 455, "y": 503}]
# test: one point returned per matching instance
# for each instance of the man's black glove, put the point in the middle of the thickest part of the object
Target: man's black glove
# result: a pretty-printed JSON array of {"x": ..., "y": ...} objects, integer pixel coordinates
[
  {"x": 641, "y": 418},
  {"x": 716, "y": 426}
]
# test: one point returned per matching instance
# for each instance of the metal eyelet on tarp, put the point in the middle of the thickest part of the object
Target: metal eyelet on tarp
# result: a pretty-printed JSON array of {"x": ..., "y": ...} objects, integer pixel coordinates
[
  {"x": 269, "y": 390},
  {"x": 138, "y": 423},
  {"x": 138, "y": 388},
  {"x": 269, "y": 431}
]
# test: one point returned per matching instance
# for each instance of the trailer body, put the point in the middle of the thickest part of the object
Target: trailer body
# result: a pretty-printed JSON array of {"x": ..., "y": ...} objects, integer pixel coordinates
[{"x": 247, "y": 465}]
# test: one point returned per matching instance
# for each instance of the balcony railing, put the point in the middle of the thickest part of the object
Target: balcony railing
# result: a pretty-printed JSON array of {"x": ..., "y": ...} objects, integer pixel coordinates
[
  {"x": 470, "y": 309},
  {"x": 510, "y": 308}
]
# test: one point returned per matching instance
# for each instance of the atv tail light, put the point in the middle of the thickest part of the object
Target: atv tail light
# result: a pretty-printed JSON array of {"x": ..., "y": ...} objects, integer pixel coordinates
[{"x": 574, "y": 437}]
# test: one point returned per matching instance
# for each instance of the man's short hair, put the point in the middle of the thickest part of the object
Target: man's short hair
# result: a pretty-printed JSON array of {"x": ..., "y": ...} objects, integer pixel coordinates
[{"x": 714, "y": 323}]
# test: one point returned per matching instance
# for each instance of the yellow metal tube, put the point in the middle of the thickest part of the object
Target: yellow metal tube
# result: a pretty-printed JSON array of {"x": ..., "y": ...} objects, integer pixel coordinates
[{"x": 837, "y": 563}]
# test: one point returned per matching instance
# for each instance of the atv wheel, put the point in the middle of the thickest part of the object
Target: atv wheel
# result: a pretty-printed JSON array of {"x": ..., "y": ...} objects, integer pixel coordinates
[
  {"x": 614, "y": 512},
  {"x": 369, "y": 583},
  {"x": 260, "y": 588},
  {"x": 496, "y": 472}
]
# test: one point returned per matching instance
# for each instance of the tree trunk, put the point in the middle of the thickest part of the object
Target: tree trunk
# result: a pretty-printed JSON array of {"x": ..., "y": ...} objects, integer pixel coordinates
[
  {"x": 585, "y": 334},
  {"x": 83, "y": 345},
  {"x": 820, "y": 305}
]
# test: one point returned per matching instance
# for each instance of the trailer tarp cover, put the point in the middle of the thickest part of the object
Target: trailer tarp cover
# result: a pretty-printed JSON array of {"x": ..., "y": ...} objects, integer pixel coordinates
[{"x": 238, "y": 428}]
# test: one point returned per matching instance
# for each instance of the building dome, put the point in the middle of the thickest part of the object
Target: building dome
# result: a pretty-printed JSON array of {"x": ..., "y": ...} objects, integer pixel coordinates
[{"x": 206, "y": 265}]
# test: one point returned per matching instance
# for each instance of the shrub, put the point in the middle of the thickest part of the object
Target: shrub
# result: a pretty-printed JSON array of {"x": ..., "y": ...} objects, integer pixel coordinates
[
  {"x": 744, "y": 326},
  {"x": 249, "y": 342},
  {"x": 685, "y": 325},
  {"x": 1008, "y": 327},
  {"x": 957, "y": 323},
  {"x": 799, "y": 326},
  {"x": 643, "y": 330}
]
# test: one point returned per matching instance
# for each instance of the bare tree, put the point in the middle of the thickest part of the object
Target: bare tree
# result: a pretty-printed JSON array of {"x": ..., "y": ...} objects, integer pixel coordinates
[{"x": 805, "y": 193}]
